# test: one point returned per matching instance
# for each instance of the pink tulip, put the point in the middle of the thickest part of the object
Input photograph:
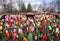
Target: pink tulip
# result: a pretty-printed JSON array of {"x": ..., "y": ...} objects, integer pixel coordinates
[
  {"x": 2, "y": 20},
  {"x": 31, "y": 28},
  {"x": 35, "y": 37},
  {"x": 48, "y": 34},
  {"x": 46, "y": 18},
  {"x": 14, "y": 35},
  {"x": 27, "y": 23},
  {"x": 20, "y": 31},
  {"x": 7, "y": 18},
  {"x": 56, "y": 35}
]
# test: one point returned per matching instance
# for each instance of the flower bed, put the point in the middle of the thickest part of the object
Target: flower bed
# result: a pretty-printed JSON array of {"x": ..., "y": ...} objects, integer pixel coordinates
[{"x": 19, "y": 28}]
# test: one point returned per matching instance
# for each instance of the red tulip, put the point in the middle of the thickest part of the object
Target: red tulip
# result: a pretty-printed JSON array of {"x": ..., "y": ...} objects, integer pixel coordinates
[
  {"x": 53, "y": 21},
  {"x": 44, "y": 36},
  {"x": 10, "y": 23},
  {"x": 59, "y": 27},
  {"x": 17, "y": 18}
]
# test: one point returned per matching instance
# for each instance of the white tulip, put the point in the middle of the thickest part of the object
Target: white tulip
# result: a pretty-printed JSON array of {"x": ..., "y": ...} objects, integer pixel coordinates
[
  {"x": 6, "y": 31},
  {"x": 50, "y": 28},
  {"x": 14, "y": 30},
  {"x": 57, "y": 30}
]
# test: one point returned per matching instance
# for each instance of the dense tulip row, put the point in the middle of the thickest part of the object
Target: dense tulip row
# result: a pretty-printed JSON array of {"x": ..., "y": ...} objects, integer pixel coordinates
[{"x": 19, "y": 28}]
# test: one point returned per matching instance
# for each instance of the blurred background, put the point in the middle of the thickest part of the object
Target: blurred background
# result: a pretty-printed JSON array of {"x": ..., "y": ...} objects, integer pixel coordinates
[{"x": 40, "y": 6}]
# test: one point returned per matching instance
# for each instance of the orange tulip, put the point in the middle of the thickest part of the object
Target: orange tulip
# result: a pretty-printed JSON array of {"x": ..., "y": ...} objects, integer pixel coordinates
[
  {"x": 1, "y": 23},
  {"x": 56, "y": 20},
  {"x": 8, "y": 35},
  {"x": 25, "y": 39},
  {"x": 43, "y": 20},
  {"x": 44, "y": 25},
  {"x": 19, "y": 23}
]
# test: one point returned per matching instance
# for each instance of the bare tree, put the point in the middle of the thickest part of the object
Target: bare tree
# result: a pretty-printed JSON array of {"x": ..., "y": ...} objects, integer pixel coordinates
[
  {"x": 4, "y": 5},
  {"x": 20, "y": 3},
  {"x": 58, "y": 4},
  {"x": 44, "y": 5}
]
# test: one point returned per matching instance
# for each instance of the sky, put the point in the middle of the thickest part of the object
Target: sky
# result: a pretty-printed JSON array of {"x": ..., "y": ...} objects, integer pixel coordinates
[{"x": 31, "y": 1}]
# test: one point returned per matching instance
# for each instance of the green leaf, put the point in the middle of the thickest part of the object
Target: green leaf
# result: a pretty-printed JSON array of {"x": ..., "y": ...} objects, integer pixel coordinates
[{"x": 30, "y": 37}]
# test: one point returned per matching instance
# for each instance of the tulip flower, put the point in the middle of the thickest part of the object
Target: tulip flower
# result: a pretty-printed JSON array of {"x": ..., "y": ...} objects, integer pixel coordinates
[
  {"x": 43, "y": 30},
  {"x": 56, "y": 20},
  {"x": 1, "y": 23},
  {"x": 17, "y": 23},
  {"x": 35, "y": 37},
  {"x": 31, "y": 28},
  {"x": 14, "y": 35},
  {"x": 59, "y": 27},
  {"x": 8, "y": 35},
  {"x": 28, "y": 22},
  {"x": 46, "y": 18},
  {"x": 10, "y": 23},
  {"x": 14, "y": 30},
  {"x": 56, "y": 35},
  {"x": 25, "y": 39},
  {"x": 1, "y": 27},
  {"x": 20, "y": 31},
  {"x": 44, "y": 36},
  {"x": 17, "y": 18},
  {"x": 57, "y": 30},
  {"x": 50, "y": 28}
]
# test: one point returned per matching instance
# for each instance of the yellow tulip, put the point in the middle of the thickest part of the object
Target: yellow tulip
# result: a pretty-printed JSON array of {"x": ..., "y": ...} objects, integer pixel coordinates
[{"x": 0, "y": 27}]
